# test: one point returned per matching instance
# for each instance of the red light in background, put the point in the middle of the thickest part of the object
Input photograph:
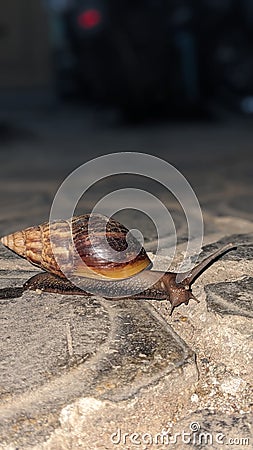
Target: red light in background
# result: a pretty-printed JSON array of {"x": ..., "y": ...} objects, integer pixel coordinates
[{"x": 89, "y": 18}]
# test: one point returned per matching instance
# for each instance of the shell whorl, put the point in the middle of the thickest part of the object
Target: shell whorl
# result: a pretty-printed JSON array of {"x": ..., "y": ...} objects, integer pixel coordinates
[
  {"x": 15, "y": 242},
  {"x": 34, "y": 244}
]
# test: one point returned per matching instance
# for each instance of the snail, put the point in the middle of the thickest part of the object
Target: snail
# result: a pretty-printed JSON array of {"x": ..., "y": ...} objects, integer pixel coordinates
[{"x": 100, "y": 271}]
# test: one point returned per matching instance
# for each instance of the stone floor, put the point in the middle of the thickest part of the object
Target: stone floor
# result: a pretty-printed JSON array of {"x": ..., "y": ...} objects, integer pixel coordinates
[{"x": 90, "y": 373}]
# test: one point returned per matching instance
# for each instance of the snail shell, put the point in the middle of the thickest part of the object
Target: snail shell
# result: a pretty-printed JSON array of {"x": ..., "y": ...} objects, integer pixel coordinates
[
  {"x": 90, "y": 258},
  {"x": 34, "y": 244}
]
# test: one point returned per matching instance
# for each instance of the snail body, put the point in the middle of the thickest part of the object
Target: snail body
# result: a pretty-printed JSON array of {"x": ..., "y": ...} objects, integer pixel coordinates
[{"x": 100, "y": 266}]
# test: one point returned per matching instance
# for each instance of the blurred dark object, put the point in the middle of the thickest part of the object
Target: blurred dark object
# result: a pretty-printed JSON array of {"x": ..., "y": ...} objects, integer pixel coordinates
[
  {"x": 226, "y": 51},
  {"x": 138, "y": 55},
  {"x": 24, "y": 54},
  {"x": 150, "y": 57}
]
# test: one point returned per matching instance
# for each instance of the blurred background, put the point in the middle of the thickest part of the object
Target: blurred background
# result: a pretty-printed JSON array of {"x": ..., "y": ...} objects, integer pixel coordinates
[
  {"x": 82, "y": 78},
  {"x": 142, "y": 57}
]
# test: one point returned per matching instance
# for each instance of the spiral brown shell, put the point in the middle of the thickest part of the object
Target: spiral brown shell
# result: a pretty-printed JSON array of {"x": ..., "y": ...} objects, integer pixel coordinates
[{"x": 35, "y": 245}]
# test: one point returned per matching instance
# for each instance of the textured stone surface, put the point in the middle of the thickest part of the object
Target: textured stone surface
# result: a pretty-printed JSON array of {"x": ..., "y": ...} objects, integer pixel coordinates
[
  {"x": 234, "y": 297},
  {"x": 74, "y": 371},
  {"x": 231, "y": 298},
  {"x": 57, "y": 348}
]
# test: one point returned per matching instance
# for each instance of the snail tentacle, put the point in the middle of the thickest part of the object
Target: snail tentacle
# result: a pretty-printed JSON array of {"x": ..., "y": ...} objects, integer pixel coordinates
[{"x": 197, "y": 270}]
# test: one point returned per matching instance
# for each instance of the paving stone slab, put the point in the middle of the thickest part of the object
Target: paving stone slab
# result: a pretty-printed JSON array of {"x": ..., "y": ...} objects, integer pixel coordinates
[
  {"x": 244, "y": 243},
  {"x": 231, "y": 298},
  {"x": 57, "y": 348}
]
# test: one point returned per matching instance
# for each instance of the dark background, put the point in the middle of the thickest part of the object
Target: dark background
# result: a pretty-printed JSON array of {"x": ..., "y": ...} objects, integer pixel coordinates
[{"x": 80, "y": 79}]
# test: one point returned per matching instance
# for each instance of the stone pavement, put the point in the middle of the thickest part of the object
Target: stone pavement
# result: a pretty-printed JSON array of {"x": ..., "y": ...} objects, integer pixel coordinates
[{"x": 78, "y": 373}]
